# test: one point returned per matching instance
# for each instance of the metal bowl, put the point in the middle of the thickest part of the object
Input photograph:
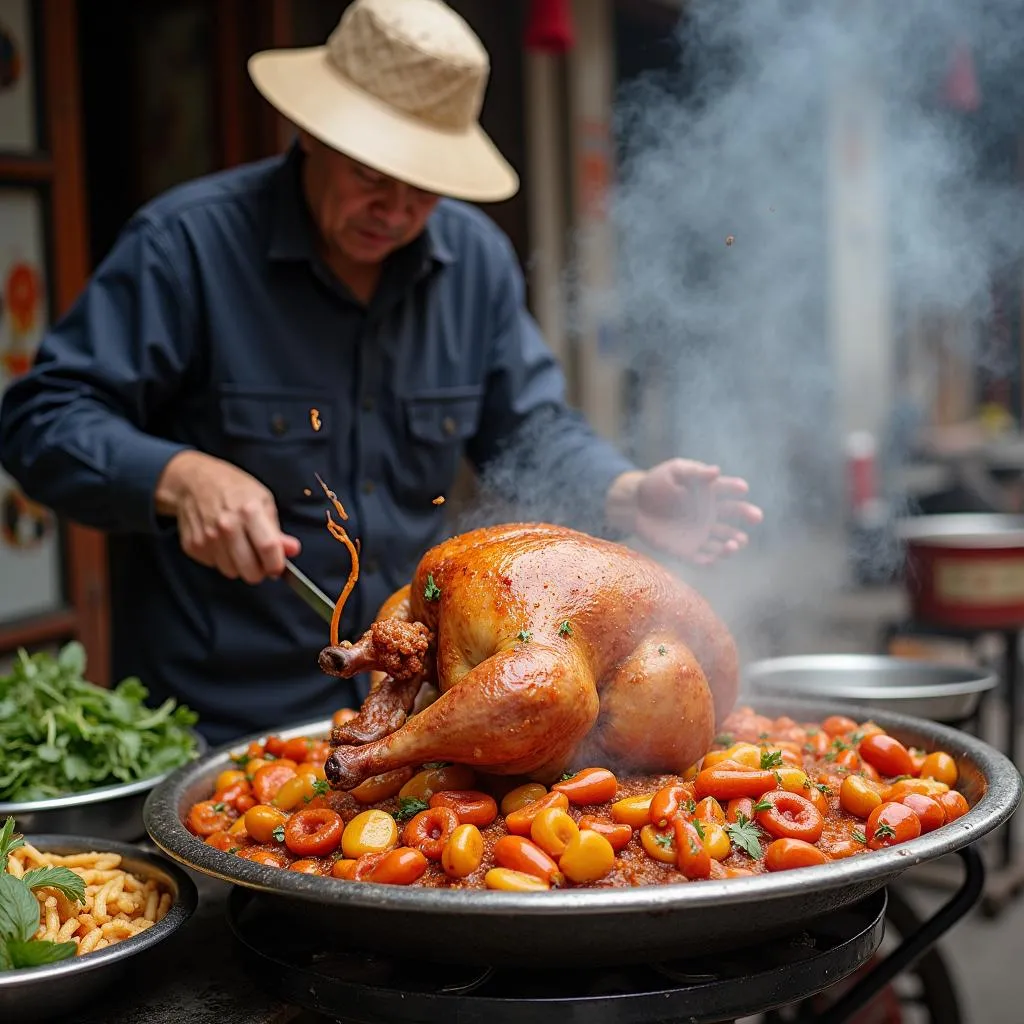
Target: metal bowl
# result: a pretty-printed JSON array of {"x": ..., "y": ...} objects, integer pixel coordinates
[
  {"x": 591, "y": 926},
  {"x": 925, "y": 689},
  {"x": 110, "y": 812},
  {"x": 55, "y": 990}
]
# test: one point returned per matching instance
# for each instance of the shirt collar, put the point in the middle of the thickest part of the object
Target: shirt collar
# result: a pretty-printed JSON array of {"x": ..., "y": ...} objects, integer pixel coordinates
[{"x": 293, "y": 234}]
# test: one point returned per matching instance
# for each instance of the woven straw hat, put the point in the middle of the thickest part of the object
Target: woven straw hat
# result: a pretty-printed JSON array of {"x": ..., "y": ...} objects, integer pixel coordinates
[{"x": 398, "y": 87}]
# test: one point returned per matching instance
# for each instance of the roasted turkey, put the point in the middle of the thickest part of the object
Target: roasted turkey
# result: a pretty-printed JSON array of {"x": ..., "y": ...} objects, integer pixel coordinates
[{"x": 548, "y": 649}]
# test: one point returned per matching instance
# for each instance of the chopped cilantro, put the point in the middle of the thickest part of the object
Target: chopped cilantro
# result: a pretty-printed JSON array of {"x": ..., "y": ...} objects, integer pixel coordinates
[
  {"x": 664, "y": 840},
  {"x": 823, "y": 787},
  {"x": 565, "y": 629},
  {"x": 771, "y": 759},
  {"x": 691, "y": 807},
  {"x": 409, "y": 807},
  {"x": 431, "y": 592},
  {"x": 321, "y": 787},
  {"x": 699, "y": 827},
  {"x": 234, "y": 849},
  {"x": 219, "y": 808},
  {"x": 746, "y": 835},
  {"x": 524, "y": 636},
  {"x": 278, "y": 833}
]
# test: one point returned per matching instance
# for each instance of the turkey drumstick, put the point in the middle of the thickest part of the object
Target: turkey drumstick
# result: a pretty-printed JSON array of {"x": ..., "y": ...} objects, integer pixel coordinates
[{"x": 548, "y": 646}]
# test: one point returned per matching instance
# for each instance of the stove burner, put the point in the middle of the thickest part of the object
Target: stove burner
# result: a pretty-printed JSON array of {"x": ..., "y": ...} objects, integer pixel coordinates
[{"x": 367, "y": 989}]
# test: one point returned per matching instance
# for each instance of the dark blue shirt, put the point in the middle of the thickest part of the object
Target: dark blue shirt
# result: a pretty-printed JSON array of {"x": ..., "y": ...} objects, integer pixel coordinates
[{"x": 214, "y": 325}]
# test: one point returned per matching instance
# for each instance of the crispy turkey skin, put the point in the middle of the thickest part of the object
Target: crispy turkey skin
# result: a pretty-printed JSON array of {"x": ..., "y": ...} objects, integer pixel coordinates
[{"x": 548, "y": 648}]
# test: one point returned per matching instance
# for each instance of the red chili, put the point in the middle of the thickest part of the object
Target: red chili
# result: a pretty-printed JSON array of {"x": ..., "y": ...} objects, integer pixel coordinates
[
  {"x": 313, "y": 832},
  {"x": 429, "y": 830},
  {"x": 667, "y": 803}
]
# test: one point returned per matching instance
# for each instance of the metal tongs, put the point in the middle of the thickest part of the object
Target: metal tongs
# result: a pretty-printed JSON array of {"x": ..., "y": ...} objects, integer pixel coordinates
[{"x": 308, "y": 591}]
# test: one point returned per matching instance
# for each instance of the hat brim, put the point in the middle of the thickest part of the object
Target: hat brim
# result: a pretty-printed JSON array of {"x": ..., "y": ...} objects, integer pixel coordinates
[{"x": 308, "y": 90}]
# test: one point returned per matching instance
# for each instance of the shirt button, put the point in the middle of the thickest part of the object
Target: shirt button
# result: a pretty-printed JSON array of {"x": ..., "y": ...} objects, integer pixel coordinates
[
  {"x": 367, "y": 403},
  {"x": 278, "y": 425},
  {"x": 448, "y": 425},
  {"x": 369, "y": 487}
]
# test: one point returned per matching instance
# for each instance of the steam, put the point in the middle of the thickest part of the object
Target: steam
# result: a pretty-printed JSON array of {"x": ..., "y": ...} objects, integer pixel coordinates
[{"x": 726, "y": 278}]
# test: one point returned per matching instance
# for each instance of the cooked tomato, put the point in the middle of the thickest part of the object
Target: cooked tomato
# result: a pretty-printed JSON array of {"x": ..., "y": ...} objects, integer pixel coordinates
[
  {"x": 890, "y": 824},
  {"x": 887, "y": 754}
]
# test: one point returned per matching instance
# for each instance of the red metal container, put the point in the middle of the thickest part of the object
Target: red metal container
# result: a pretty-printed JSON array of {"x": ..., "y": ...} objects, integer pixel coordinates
[{"x": 965, "y": 570}]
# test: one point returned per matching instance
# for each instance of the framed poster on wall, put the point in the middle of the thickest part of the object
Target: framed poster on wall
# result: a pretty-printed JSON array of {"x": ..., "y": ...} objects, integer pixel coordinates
[
  {"x": 30, "y": 546},
  {"x": 19, "y": 132}
]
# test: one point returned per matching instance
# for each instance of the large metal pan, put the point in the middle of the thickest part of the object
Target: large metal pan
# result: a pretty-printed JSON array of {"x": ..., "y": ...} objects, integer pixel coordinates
[
  {"x": 591, "y": 926},
  {"x": 926, "y": 689}
]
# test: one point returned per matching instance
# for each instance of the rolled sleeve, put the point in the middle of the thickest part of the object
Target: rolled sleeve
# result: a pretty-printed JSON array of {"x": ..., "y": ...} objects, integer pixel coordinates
[
  {"x": 537, "y": 458},
  {"x": 77, "y": 431}
]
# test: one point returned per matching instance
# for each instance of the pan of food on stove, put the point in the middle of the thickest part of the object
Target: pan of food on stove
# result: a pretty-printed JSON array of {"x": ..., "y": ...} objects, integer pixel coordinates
[{"x": 577, "y": 786}]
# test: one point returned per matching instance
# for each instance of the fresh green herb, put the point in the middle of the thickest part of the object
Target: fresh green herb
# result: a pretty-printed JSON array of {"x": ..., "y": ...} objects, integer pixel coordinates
[
  {"x": 240, "y": 759},
  {"x": 699, "y": 827},
  {"x": 771, "y": 759},
  {"x": 565, "y": 629},
  {"x": 839, "y": 746},
  {"x": 691, "y": 807},
  {"x": 321, "y": 787},
  {"x": 808, "y": 749},
  {"x": 234, "y": 849},
  {"x": 19, "y": 908},
  {"x": 409, "y": 807},
  {"x": 220, "y": 808},
  {"x": 859, "y": 836},
  {"x": 436, "y": 764},
  {"x": 811, "y": 733},
  {"x": 823, "y": 787},
  {"x": 431, "y": 592},
  {"x": 664, "y": 840},
  {"x": 662, "y": 650},
  {"x": 724, "y": 739},
  {"x": 884, "y": 831},
  {"x": 806, "y": 784},
  {"x": 778, "y": 780},
  {"x": 566, "y": 776},
  {"x": 763, "y": 805},
  {"x": 746, "y": 835},
  {"x": 900, "y": 778},
  {"x": 856, "y": 738},
  {"x": 60, "y": 734},
  {"x": 278, "y": 833},
  {"x": 763, "y": 736},
  {"x": 524, "y": 636},
  {"x": 831, "y": 756}
]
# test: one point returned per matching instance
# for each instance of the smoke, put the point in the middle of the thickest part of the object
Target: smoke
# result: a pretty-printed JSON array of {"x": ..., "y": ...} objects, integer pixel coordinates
[{"x": 726, "y": 279}]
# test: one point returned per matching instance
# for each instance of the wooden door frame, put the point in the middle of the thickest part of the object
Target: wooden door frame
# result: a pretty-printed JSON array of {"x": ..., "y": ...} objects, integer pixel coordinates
[{"x": 85, "y": 614}]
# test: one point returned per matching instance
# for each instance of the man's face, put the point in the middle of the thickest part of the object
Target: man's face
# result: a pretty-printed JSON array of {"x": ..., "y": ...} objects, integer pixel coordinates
[{"x": 362, "y": 214}]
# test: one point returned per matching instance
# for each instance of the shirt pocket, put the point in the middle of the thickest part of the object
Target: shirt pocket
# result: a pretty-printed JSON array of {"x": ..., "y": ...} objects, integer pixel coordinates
[
  {"x": 282, "y": 436},
  {"x": 438, "y": 424},
  {"x": 444, "y": 416}
]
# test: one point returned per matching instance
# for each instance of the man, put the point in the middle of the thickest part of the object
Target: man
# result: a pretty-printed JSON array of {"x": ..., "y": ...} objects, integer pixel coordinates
[{"x": 319, "y": 313}]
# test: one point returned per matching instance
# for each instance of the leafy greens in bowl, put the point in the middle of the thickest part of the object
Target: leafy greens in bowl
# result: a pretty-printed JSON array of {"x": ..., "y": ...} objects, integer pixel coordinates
[{"x": 61, "y": 734}]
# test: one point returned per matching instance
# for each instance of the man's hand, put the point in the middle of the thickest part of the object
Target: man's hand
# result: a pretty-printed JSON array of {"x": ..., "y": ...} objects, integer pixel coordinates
[
  {"x": 685, "y": 508},
  {"x": 226, "y": 518}
]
